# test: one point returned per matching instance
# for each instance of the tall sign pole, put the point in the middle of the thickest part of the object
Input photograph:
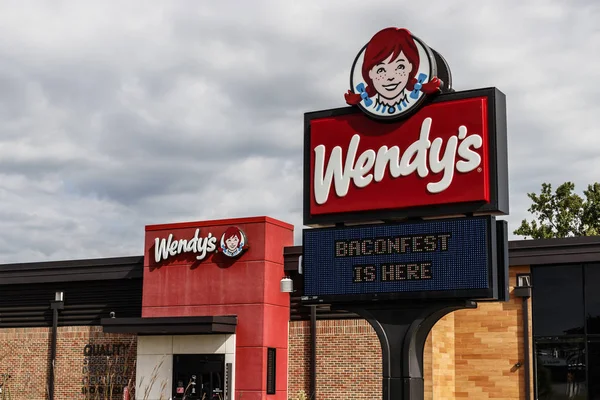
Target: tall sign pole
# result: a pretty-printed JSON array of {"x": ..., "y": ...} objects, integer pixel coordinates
[{"x": 401, "y": 194}]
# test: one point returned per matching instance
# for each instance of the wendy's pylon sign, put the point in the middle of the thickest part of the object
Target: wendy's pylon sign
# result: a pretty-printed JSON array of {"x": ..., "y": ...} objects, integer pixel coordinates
[
  {"x": 421, "y": 172},
  {"x": 409, "y": 146}
]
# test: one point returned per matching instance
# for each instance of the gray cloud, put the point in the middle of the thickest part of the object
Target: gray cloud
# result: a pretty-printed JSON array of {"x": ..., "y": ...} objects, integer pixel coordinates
[{"x": 116, "y": 115}]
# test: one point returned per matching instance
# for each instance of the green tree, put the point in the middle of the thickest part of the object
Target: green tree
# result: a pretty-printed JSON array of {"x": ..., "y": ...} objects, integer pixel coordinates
[{"x": 562, "y": 213}]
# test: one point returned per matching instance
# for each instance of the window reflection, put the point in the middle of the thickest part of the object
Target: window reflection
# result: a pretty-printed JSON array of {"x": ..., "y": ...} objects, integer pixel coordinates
[
  {"x": 557, "y": 300},
  {"x": 561, "y": 369},
  {"x": 594, "y": 369},
  {"x": 592, "y": 298}
]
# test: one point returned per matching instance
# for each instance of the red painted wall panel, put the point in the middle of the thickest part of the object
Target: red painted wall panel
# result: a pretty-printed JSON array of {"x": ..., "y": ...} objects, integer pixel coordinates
[
  {"x": 275, "y": 333},
  {"x": 251, "y": 369}
]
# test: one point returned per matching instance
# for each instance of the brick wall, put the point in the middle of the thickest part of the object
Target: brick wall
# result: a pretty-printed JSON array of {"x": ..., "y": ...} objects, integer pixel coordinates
[
  {"x": 85, "y": 358},
  {"x": 24, "y": 354},
  {"x": 298, "y": 356},
  {"x": 469, "y": 354},
  {"x": 348, "y": 361}
]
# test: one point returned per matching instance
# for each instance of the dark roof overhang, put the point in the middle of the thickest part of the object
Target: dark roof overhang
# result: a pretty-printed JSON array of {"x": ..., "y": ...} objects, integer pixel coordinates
[
  {"x": 72, "y": 270},
  {"x": 224, "y": 324}
]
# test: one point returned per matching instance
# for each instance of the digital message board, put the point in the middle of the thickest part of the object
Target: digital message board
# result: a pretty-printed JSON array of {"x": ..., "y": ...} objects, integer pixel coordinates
[{"x": 446, "y": 258}]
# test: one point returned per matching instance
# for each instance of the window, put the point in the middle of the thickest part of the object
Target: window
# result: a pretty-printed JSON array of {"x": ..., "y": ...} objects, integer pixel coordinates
[
  {"x": 594, "y": 369},
  {"x": 592, "y": 298},
  {"x": 271, "y": 370},
  {"x": 566, "y": 328},
  {"x": 560, "y": 367},
  {"x": 557, "y": 300}
]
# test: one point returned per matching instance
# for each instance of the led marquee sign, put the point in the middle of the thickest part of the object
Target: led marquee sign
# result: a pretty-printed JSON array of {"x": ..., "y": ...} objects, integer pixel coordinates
[{"x": 449, "y": 258}]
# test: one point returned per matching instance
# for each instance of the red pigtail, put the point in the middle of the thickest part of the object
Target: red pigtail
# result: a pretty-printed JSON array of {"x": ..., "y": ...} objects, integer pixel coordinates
[
  {"x": 433, "y": 86},
  {"x": 355, "y": 98},
  {"x": 352, "y": 98}
]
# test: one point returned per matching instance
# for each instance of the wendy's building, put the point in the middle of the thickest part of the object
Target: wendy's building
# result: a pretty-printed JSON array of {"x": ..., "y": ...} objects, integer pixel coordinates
[
  {"x": 230, "y": 310},
  {"x": 206, "y": 311}
]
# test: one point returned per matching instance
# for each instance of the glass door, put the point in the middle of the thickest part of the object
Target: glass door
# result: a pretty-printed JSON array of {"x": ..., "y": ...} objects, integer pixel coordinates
[
  {"x": 198, "y": 376},
  {"x": 594, "y": 368},
  {"x": 561, "y": 369}
]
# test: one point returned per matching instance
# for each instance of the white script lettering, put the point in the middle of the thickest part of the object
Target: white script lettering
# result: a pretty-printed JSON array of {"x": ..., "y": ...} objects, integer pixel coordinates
[
  {"x": 421, "y": 157},
  {"x": 165, "y": 248}
]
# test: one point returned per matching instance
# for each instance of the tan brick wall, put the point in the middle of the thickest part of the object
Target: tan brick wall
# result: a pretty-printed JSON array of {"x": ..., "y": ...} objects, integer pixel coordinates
[
  {"x": 25, "y": 354},
  {"x": 428, "y": 367},
  {"x": 443, "y": 373},
  {"x": 489, "y": 342}
]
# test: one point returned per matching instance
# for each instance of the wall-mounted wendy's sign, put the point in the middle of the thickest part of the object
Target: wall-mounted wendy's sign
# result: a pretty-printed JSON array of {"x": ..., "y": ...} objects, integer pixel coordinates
[{"x": 232, "y": 243}]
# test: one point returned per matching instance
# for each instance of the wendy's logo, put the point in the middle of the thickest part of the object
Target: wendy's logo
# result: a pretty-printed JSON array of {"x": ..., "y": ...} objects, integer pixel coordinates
[
  {"x": 233, "y": 242},
  {"x": 394, "y": 74}
]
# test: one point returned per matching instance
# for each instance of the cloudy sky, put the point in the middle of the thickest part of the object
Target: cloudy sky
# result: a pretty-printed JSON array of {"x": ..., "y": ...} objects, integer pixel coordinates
[{"x": 119, "y": 114}]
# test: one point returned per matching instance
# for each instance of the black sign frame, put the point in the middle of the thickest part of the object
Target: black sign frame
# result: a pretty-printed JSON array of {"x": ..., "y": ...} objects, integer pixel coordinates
[{"x": 496, "y": 271}]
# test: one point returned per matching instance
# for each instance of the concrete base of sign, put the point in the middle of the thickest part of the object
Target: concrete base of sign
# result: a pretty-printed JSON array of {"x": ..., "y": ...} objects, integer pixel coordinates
[{"x": 402, "y": 329}]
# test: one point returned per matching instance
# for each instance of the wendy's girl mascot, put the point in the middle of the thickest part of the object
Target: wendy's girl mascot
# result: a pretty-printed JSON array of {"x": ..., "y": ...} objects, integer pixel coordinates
[
  {"x": 392, "y": 74},
  {"x": 233, "y": 242}
]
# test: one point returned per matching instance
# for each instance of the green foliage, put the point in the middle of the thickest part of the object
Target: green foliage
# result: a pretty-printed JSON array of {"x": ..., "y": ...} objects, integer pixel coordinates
[
  {"x": 563, "y": 213},
  {"x": 301, "y": 396}
]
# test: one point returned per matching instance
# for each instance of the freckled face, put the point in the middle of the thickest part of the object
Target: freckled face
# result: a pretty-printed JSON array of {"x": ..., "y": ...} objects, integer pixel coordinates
[
  {"x": 391, "y": 76},
  {"x": 232, "y": 243}
]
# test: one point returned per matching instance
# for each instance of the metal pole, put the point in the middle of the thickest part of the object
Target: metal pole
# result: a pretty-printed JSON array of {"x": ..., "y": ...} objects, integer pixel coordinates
[
  {"x": 523, "y": 290},
  {"x": 52, "y": 353},
  {"x": 56, "y": 305},
  {"x": 526, "y": 347},
  {"x": 313, "y": 352}
]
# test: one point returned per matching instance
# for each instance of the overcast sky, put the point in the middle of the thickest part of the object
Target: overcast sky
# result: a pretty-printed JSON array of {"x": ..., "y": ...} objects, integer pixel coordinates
[{"x": 119, "y": 114}]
